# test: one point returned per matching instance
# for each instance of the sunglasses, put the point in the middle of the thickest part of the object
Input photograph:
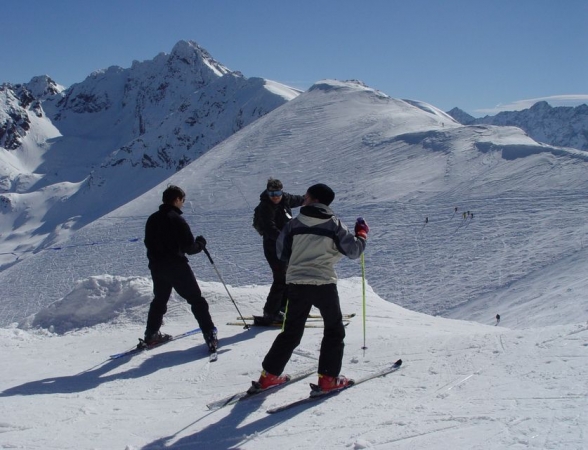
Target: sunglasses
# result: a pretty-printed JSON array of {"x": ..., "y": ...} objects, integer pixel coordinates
[{"x": 274, "y": 193}]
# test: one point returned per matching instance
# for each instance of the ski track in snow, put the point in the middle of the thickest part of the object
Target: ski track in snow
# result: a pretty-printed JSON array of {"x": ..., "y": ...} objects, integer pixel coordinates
[{"x": 462, "y": 259}]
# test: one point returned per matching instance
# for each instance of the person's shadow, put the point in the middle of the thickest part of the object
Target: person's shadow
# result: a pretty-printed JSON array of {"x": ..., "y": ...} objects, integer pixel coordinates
[
  {"x": 226, "y": 433},
  {"x": 94, "y": 377}
]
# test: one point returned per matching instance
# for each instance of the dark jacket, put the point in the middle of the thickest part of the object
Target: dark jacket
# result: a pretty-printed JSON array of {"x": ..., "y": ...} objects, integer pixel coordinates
[
  {"x": 275, "y": 217},
  {"x": 168, "y": 237}
]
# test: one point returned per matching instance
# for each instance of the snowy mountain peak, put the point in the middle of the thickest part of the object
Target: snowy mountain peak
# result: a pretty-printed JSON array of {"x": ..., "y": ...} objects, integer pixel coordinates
[
  {"x": 190, "y": 53},
  {"x": 333, "y": 85},
  {"x": 461, "y": 116},
  {"x": 541, "y": 107},
  {"x": 563, "y": 126},
  {"x": 75, "y": 147},
  {"x": 42, "y": 87}
]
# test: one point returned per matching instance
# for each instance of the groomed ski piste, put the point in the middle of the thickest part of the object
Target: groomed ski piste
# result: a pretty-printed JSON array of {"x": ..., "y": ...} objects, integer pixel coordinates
[
  {"x": 462, "y": 383},
  {"x": 519, "y": 384}
]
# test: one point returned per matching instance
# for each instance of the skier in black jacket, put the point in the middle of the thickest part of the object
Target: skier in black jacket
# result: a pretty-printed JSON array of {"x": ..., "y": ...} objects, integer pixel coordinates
[
  {"x": 168, "y": 239},
  {"x": 275, "y": 207}
]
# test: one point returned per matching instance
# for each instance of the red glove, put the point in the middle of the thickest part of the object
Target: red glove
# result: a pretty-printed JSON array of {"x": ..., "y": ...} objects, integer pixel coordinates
[{"x": 361, "y": 228}]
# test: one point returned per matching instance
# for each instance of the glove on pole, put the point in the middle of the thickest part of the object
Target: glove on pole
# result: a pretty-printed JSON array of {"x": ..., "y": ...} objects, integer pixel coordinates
[{"x": 227, "y": 289}]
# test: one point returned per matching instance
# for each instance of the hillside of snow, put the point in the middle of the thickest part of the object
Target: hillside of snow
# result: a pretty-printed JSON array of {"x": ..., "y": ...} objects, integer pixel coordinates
[
  {"x": 462, "y": 385},
  {"x": 467, "y": 222},
  {"x": 69, "y": 156},
  {"x": 403, "y": 167}
]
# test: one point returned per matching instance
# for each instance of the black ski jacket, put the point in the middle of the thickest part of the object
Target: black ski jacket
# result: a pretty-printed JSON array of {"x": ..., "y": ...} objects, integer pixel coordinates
[
  {"x": 275, "y": 217},
  {"x": 168, "y": 237}
]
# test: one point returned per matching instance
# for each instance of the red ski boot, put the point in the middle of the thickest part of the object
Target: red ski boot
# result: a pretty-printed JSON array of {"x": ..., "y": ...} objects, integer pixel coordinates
[{"x": 267, "y": 380}]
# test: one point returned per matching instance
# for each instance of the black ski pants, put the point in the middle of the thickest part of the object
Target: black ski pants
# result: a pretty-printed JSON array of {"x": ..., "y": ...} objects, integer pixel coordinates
[
  {"x": 178, "y": 276},
  {"x": 301, "y": 298},
  {"x": 277, "y": 298}
]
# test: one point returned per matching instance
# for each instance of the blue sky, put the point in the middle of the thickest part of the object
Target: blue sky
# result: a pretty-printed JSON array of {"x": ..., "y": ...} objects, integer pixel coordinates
[{"x": 482, "y": 56}]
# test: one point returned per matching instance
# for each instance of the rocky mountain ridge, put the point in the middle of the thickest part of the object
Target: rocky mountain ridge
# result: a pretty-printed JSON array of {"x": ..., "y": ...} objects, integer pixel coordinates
[
  {"x": 116, "y": 134},
  {"x": 562, "y": 126}
]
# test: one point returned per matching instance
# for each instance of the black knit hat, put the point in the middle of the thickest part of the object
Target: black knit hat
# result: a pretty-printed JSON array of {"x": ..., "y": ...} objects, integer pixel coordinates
[{"x": 321, "y": 192}]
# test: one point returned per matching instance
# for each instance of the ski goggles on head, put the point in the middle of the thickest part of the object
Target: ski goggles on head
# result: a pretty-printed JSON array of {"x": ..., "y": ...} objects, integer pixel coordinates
[{"x": 274, "y": 193}]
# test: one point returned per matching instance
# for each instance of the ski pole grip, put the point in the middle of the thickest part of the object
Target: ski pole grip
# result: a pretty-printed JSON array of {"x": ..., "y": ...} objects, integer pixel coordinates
[{"x": 208, "y": 254}]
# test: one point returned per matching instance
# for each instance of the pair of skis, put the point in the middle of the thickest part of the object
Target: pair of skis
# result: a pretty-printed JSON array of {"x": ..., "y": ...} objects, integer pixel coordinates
[
  {"x": 316, "y": 393},
  {"x": 141, "y": 348},
  {"x": 313, "y": 321},
  {"x": 245, "y": 395}
]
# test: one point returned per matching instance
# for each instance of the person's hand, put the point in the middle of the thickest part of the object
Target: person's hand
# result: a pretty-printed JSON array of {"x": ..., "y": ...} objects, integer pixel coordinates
[
  {"x": 361, "y": 228},
  {"x": 201, "y": 241}
]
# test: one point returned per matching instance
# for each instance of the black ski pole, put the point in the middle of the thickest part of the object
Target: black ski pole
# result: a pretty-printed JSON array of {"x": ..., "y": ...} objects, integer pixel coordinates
[{"x": 227, "y": 289}]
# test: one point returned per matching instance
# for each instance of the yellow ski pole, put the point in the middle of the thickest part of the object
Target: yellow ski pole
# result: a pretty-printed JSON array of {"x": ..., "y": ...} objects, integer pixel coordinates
[{"x": 363, "y": 291}]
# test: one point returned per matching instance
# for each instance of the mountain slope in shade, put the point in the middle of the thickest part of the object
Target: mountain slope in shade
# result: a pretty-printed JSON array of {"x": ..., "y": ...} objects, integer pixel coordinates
[{"x": 64, "y": 152}]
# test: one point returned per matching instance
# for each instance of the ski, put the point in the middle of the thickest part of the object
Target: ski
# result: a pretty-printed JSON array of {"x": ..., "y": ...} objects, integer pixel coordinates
[
  {"x": 317, "y": 394},
  {"x": 244, "y": 395},
  {"x": 310, "y": 316},
  {"x": 279, "y": 324},
  {"x": 136, "y": 350}
]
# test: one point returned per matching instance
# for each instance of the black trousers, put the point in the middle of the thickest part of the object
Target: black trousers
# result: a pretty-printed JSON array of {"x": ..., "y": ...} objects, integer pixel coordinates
[
  {"x": 277, "y": 298},
  {"x": 178, "y": 276},
  {"x": 301, "y": 298}
]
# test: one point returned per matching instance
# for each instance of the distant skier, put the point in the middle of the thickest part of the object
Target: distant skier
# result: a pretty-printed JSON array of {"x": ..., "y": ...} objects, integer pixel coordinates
[
  {"x": 497, "y": 319},
  {"x": 312, "y": 243},
  {"x": 168, "y": 239}
]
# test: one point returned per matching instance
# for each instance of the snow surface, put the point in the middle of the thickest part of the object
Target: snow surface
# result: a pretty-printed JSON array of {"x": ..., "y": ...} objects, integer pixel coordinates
[
  {"x": 521, "y": 383},
  {"x": 463, "y": 385}
]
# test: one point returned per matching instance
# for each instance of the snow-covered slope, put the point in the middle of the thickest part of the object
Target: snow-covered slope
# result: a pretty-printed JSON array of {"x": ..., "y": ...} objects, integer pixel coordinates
[
  {"x": 518, "y": 251},
  {"x": 462, "y": 385},
  {"x": 404, "y": 168},
  {"x": 70, "y": 156}
]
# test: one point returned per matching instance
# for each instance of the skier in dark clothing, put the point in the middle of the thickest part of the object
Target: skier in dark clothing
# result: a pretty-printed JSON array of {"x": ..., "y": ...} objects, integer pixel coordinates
[
  {"x": 313, "y": 243},
  {"x": 275, "y": 211},
  {"x": 168, "y": 239}
]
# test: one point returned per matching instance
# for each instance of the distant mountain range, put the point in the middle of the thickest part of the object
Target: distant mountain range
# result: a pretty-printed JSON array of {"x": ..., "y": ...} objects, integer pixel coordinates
[
  {"x": 115, "y": 135},
  {"x": 561, "y": 126}
]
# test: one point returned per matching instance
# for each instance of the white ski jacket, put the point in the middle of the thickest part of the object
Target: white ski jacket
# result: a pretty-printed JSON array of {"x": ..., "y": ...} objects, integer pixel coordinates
[{"x": 313, "y": 242}]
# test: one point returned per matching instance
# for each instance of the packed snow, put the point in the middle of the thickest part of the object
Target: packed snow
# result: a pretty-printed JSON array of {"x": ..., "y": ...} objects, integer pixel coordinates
[{"x": 435, "y": 281}]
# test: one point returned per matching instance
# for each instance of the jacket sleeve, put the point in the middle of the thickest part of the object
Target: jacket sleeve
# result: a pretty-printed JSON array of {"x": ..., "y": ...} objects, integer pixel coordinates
[
  {"x": 294, "y": 201},
  {"x": 284, "y": 243},
  {"x": 347, "y": 243},
  {"x": 185, "y": 238},
  {"x": 268, "y": 220}
]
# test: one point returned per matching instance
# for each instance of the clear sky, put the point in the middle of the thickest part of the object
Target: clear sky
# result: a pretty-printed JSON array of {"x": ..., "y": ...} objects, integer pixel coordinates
[{"x": 481, "y": 56}]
